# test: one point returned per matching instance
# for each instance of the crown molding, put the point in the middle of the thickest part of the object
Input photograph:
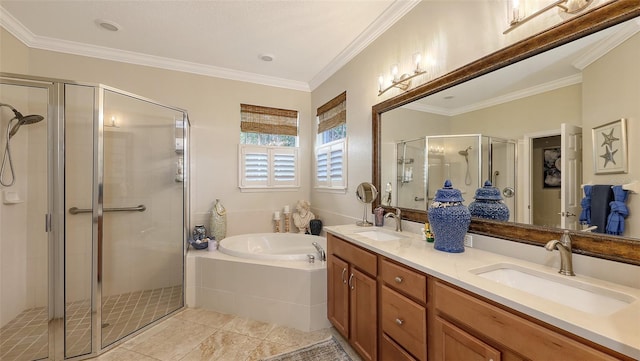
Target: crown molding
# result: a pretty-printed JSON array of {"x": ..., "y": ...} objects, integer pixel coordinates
[
  {"x": 608, "y": 44},
  {"x": 13, "y": 26},
  {"x": 390, "y": 16},
  {"x": 534, "y": 90}
]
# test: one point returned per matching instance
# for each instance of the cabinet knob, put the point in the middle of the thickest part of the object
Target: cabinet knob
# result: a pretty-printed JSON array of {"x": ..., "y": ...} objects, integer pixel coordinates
[
  {"x": 344, "y": 280},
  {"x": 399, "y": 322},
  {"x": 353, "y": 287},
  {"x": 398, "y": 279}
]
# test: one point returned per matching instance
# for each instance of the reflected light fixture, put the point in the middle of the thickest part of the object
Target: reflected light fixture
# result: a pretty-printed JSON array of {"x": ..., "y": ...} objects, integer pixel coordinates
[
  {"x": 516, "y": 13},
  {"x": 403, "y": 81}
]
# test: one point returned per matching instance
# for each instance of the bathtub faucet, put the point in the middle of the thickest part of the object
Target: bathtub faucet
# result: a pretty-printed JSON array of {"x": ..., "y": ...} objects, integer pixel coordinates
[{"x": 321, "y": 252}]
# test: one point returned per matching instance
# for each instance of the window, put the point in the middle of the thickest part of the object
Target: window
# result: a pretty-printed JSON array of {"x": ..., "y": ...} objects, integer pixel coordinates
[
  {"x": 268, "y": 151},
  {"x": 331, "y": 148}
]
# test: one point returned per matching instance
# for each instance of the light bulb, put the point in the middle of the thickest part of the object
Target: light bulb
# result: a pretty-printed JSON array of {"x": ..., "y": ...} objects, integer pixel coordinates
[
  {"x": 417, "y": 58},
  {"x": 394, "y": 71}
]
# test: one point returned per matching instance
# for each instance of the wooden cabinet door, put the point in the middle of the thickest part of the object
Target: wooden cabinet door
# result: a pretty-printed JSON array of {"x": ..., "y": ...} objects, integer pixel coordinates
[
  {"x": 363, "y": 320},
  {"x": 457, "y": 344},
  {"x": 338, "y": 294}
]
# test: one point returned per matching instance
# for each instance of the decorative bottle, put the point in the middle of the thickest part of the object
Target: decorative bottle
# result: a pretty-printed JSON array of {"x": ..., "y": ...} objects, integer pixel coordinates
[
  {"x": 218, "y": 221},
  {"x": 449, "y": 219},
  {"x": 378, "y": 216},
  {"x": 488, "y": 204}
]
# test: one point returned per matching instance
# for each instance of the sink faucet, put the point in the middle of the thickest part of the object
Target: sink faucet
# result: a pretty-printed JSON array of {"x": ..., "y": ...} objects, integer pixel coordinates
[
  {"x": 321, "y": 252},
  {"x": 397, "y": 218},
  {"x": 564, "y": 247}
]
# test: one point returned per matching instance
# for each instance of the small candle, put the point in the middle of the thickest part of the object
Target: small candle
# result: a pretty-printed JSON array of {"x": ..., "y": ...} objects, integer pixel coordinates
[
  {"x": 286, "y": 209},
  {"x": 276, "y": 216}
]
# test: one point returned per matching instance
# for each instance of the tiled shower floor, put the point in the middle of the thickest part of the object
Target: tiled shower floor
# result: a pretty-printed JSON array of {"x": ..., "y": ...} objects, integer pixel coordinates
[{"x": 25, "y": 338}]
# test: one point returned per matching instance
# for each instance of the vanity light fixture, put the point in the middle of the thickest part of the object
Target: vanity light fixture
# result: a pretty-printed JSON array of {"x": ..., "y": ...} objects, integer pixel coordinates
[
  {"x": 515, "y": 10},
  {"x": 403, "y": 81}
]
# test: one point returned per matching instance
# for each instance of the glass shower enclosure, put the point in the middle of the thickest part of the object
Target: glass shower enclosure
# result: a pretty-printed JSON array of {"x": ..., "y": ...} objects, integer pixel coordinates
[
  {"x": 468, "y": 160},
  {"x": 93, "y": 229}
]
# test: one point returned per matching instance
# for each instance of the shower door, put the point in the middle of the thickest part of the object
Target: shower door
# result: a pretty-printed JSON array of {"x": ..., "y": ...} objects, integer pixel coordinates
[
  {"x": 141, "y": 245},
  {"x": 125, "y": 222},
  {"x": 24, "y": 206},
  {"x": 502, "y": 171}
]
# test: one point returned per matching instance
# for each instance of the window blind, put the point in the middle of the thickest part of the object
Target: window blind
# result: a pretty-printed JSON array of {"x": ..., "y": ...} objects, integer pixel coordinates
[
  {"x": 265, "y": 120},
  {"x": 333, "y": 113}
]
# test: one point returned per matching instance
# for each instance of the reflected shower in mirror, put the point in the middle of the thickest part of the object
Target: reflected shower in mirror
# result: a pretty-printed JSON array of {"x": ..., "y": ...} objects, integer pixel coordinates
[
  {"x": 425, "y": 163},
  {"x": 544, "y": 105}
]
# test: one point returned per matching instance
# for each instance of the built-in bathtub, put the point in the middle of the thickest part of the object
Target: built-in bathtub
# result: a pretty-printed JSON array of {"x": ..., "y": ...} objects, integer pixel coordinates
[
  {"x": 272, "y": 246},
  {"x": 250, "y": 276}
]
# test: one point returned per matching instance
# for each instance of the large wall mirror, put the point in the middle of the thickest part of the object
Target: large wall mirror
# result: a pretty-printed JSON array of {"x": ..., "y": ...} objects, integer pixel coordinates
[{"x": 506, "y": 117}]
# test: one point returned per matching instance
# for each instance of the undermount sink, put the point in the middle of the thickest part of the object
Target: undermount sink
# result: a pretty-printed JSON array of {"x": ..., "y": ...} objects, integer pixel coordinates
[
  {"x": 560, "y": 289},
  {"x": 379, "y": 235}
]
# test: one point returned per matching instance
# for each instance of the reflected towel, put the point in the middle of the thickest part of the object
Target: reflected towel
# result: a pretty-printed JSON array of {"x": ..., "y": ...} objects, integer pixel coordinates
[
  {"x": 601, "y": 196},
  {"x": 619, "y": 211},
  {"x": 585, "y": 215}
]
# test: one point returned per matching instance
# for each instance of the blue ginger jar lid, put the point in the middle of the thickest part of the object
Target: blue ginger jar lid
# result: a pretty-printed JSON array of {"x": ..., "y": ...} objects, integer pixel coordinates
[
  {"x": 448, "y": 193},
  {"x": 488, "y": 193}
]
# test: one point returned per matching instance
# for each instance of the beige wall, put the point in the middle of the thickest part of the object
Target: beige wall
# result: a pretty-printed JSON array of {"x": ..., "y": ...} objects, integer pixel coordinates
[
  {"x": 453, "y": 33},
  {"x": 607, "y": 96},
  {"x": 541, "y": 112},
  {"x": 214, "y": 110}
]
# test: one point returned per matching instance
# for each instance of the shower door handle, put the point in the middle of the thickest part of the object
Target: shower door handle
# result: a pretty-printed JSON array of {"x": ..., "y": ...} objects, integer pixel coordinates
[{"x": 140, "y": 208}]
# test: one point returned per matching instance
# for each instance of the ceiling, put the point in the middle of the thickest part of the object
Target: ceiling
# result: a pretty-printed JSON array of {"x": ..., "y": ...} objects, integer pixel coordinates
[{"x": 309, "y": 40}]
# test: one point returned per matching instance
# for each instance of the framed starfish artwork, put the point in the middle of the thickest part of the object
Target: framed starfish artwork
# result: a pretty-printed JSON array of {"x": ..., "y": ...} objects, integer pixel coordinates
[{"x": 610, "y": 147}]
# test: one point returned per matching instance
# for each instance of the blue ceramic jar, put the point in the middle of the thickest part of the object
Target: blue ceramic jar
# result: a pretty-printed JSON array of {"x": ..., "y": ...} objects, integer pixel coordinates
[
  {"x": 488, "y": 204},
  {"x": 449, "y": 219}
]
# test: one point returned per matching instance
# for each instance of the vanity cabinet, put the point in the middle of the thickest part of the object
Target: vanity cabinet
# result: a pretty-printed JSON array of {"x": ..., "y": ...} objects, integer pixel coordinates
[
  {"x": 352, "y": 295},
  {"x": 389, "y": 311},
  {"x": 403, "y": 311},
  {"x": 467, "y": 327}
]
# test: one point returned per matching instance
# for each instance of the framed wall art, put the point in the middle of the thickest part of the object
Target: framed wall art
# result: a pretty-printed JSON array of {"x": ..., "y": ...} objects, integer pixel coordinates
[
  {"x": 610, "y": 147},
  {"x": 551, "y": 167}
]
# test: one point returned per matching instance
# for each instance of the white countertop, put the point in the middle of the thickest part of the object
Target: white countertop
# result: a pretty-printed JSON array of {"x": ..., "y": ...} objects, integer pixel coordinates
[{"x": 619, "y": 331}]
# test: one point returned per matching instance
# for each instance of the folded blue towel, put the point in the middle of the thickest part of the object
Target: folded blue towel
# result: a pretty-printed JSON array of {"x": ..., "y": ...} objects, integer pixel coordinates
[
  {"x": 585, "y": 215},
  {"x": 601, "y": 196},
  {"x": 619, "y": 211}
]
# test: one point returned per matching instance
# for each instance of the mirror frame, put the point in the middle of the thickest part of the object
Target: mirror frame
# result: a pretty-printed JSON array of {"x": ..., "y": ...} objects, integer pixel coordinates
[{"x": 614, "y": 248}]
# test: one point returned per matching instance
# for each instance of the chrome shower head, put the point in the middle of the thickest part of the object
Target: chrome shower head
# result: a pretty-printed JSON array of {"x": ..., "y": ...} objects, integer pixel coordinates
[
  {"x": 22, "y": 119},
  {"x": 465, "y": 152}
]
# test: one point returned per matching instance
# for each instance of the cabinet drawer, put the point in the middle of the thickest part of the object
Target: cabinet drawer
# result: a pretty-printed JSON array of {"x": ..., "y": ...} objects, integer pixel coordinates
[
  {"x": 404, "y": 280},
  {"x": 405, "y": 321},
  {"x": 389, "y": 350},
  {"x": 364, "y": 260},
  {"x": 526, "y": 338}
]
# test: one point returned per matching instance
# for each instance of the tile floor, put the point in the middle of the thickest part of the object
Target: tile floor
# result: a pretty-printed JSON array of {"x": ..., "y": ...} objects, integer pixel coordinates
[
  {"x": 197, "y": 334},
  {"x": 25, "y": 338}
]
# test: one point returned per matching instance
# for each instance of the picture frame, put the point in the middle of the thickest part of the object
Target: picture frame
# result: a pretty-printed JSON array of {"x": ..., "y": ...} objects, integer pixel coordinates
[
  {"x": 610, "y": 147},
  {"x": 551, "y": 167}
]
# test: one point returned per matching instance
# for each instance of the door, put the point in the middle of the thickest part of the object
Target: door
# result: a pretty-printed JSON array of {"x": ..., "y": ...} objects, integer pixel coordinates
[
  {"x": 571, "y": 175},
  {"x": 141, "y": 245},
  {"x": 338, "y": 294},
  {"x": 503, "y": 172},
  {"x": 459, "y": 345},
  {"x": 26, "y": 245},
  {"x": 363, "y": 321}
]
